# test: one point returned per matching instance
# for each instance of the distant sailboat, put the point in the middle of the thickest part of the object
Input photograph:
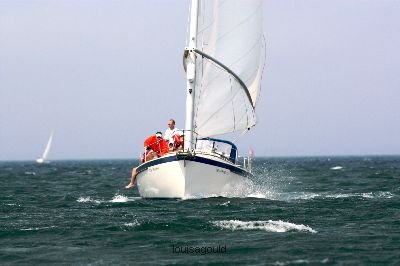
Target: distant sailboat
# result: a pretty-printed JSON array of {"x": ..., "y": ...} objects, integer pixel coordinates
[{"x": 43, "y": 159}]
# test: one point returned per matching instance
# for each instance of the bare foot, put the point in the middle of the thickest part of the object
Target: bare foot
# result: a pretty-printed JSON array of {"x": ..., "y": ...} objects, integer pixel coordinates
[{"x": 131, "y": 185}]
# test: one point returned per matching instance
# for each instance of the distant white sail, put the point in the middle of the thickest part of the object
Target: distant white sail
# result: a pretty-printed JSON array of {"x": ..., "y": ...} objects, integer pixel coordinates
[
  {"x": 230, "y": 60},
  {"x": 47, "y": 150}
]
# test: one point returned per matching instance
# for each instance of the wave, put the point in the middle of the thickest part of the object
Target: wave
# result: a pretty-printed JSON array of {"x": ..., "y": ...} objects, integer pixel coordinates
[
  {"x": 132, "y": 224},
  {"x": 247, "y": 189},
  {"x": 12, "y": 204},
  {"x": 225, "y": 203},
  {"x": 368, "y": 195},
  {"x": 116, "y": 199},
  {"x": 301, "y": 261},
  {"x": 87, "y": 199},
  {"x": 38, "y": 228},
  {"x": 292, "y": 196},
  {"x": 30, "y": 173},
  {"x": 257, "y": 195},
  {"x": 119, "y": 198},
  {"x": 295, "y": 196},
  {"x": 269, "y": 226}
]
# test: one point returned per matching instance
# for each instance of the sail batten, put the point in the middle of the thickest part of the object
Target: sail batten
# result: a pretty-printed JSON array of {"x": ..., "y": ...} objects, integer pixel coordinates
[{"x": 230, "y": 48}]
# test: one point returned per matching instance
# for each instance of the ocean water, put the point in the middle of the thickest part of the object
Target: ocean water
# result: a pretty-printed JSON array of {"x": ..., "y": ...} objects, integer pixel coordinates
[{"x": 297, "y": 211}]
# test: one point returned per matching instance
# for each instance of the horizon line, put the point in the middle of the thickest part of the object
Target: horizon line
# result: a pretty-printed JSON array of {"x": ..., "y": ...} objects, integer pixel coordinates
[{"x": 261, "y": 156}]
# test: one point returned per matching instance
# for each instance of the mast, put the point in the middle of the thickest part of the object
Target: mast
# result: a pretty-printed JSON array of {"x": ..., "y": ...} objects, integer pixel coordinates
[{"x": 190, "y": 76}]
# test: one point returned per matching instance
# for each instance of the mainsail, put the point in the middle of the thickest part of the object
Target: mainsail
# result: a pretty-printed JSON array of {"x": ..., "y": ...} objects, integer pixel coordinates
[
  {"x": 230, "y": 53},
  {"x": 48, "y": 146}
]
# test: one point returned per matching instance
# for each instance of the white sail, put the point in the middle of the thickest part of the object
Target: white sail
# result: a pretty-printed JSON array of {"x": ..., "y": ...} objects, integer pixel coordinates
[
  {"x": 230, "y": 57},
  {"x": 47, "y": 150}
]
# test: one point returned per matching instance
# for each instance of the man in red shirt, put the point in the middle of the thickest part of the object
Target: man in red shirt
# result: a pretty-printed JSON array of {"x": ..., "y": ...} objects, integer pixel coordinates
[{"x": 156, "y": 147}]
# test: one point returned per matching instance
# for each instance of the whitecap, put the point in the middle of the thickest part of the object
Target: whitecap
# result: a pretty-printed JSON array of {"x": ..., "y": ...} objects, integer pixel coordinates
[
  {"x": 298, "y": 196},
  {"x": 336, "y": 168},
  {"x": 30, "y": 173},
  {"x": 87, "y": 199},
  {"x": 13, "y": 204},
  {"x": 269, "y": 226},
  {"x": 379, "y": 194},
  {"x": 14, "y": 249},
  {"x": 341, "y": 195},
  {"x": 257, "y": 195},
  {"x": 301, "y": 261},
  {"x": 132, "y": 224},
  {"x": 37, "y": 228},
  {"x": 385, "y": 194},
  {"x": 225, "y": 203},
  {"x": 201, "y": 196},
  {"x": 83, "y": 199},
  {"x": 119, "y": 198},
  {"x": 367, "y": 195}
]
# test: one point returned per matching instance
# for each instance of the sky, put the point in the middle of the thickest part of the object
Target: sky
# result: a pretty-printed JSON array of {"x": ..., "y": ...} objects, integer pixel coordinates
[{"x": 106, "y": 74}]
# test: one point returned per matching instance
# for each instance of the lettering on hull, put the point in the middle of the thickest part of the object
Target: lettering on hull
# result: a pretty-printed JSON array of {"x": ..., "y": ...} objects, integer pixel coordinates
[
  {"x": 153, "y": 169},
  {"x": 219, "y": 170}
]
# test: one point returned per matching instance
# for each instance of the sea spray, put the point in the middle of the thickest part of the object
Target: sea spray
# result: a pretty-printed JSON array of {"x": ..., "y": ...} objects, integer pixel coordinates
[{"x": 270, "y": 226}]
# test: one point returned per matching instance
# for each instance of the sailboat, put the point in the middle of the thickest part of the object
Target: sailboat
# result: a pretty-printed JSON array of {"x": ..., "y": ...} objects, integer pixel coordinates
[
  {"x": 223, "y": 61},
  {"x": 43, "y": 159}
]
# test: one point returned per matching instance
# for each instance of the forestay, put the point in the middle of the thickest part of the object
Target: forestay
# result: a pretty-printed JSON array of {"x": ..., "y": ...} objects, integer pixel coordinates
[{"x": 230, "y": 53}]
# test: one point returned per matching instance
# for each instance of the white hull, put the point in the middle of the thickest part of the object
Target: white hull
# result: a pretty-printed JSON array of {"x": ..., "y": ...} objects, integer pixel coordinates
[
  {"x": 184, "y": 176},
  {"x": 41, "y": 160}
]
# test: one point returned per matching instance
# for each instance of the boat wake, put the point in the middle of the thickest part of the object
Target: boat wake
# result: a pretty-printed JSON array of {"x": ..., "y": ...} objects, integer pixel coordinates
[
  {"x": 294, "y": 196},
  {"x": 367, "y": 195},
  {"x": 269, "y": 226},
  {"x": 242, "y": 189},
  {"x": 261, "y": 193},
  {"x": 275, "y": 188}
]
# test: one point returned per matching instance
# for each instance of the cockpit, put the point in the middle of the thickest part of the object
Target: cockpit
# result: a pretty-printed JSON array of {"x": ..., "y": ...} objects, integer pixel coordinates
[{"x": 222, "y": 147}]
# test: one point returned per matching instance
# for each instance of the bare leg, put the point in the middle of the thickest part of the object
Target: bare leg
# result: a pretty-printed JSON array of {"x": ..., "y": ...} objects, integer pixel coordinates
[{"x": 133, "y": 178}]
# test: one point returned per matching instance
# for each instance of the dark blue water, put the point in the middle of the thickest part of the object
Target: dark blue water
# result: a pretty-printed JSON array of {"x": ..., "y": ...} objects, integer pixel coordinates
[{"x": 299, "y": 211}]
